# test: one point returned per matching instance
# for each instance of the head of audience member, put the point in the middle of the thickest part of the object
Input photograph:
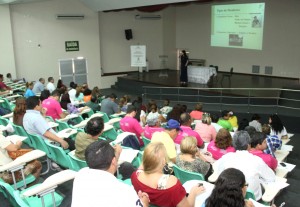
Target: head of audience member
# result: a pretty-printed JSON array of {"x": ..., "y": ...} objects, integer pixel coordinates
[
  {"x": 266, "y": 129},
  {"x": 199, "y": 106},
  {"x": 153, "y": 122},
  {"x": 44, "y": 94},
  {"x": 183, "y": 52},
  {"x": 214, "y": 118},
  {"x": 63, "y": 90},
  {"x": 258, "y": 141},
  {"x": 175, "y": 113},
  {"x": 85, "y": 86},
  {"x": 225, "y": 114},
  {"x": 127, "y": 98},
  {"x": 243, "y": 124},
  {"x": 122, "y": 102},
  {"x": 230, "y": 189},
  {"x": 153, "y": 108},
  {"x": 1, "y": 77},
  {"x": 173, "y": 128},
  {"x": 185, "y": 119},
  {"x": 20, "y": 108},
  {"x": 241, "y": 140},
  {"x": 223, "y": 139},
  {"x": 73, "y": 85},
  {"x": 96, "y": 92},
  {"x": 183, "y": 108},
  {"x": 275, "y": 123},
  {"x": 59, "y": 83},
  {"x": 150, "y": 103},
  {"x": 100, "y": 155},
  {"x": 255, "y": 117},
  {"x": 131, "y": 111},
  {"x": 51, "y": 79},
  {"x": 113, "y": 97},
  {"x": 188, "y": 145},
  {"x": 94, "y": 99},
  {"x": 250, "y": 130},
  {"x": 154, "y": 158},
  {"x": 29, "y": 85},
  {"x": 206, "y": 118},
  {"x": 8, "y": 76},
  {"x": 166, "y": 102},
  {"x": 94, "y": 127},
  {"x": 78, "y": 91},
  {"x": 87, "y": 92},
  {"x": 42, "y": 80},
  {"x": 33, "y": 103},
  {"x": 56, "y": 94}
]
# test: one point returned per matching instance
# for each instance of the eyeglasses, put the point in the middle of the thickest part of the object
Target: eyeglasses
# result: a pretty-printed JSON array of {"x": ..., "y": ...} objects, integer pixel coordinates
[{"x": 246, "y": 184}]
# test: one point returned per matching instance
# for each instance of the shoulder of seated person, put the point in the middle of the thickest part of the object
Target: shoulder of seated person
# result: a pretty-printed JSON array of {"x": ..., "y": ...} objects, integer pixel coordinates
[{"x": 172, "y": 181}]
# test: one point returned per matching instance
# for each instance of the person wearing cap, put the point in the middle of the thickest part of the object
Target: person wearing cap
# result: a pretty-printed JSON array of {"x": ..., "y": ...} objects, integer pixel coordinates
[
  {"x": 109, "y": 106},
  {"x": 130, "y": 124},
  {"x": 167, "y": 138},
  {"x": 96, "y": 184},
  {"x": 186, "y": 121},
  {"x": 254, "y": 168},
  {"x": 223, "y": 121},
  {"x": 153, "y": 125},
  {"x": 39, "y": 86},
  {"x": 3, "y": 86}
]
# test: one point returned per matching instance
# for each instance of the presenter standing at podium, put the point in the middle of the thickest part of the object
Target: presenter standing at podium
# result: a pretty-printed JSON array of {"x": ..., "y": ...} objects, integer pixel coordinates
[{"x": 184, "y": 61}]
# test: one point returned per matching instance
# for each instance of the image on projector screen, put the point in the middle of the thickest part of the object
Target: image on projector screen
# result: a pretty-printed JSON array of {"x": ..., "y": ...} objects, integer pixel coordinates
[{"x": 238, "y": 25}]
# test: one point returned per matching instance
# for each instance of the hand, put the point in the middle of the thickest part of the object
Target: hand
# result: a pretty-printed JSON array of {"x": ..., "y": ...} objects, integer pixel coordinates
[
  {"x": 19, "y": 144},
  {"x": 144, "y": 198},
  {"x": 197, "y": 190},
  {"x": 64, "y": 144},
  {"x": 249, "y": 203}
]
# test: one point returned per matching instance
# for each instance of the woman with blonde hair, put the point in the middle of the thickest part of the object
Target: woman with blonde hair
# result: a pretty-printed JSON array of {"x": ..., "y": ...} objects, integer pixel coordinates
[
  {"x": 206, "y": 131},
  {"x": 19, "y": 111},
  {"x": 29, "y": 92},
  {"x": 163, "y": 190},
  {"x": 222, "y": 145},
  {"x": 190, "y": 158}
]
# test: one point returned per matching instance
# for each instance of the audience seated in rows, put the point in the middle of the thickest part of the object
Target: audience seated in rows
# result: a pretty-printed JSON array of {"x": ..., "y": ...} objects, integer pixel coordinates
[
  {"x": 191, "y": 159},
  {"x": 205, "y": 128},
  {"x": 130, "y": 124},
  {"x": 197, "y": 113},
  {"x": 162, "y": 189},
  {"x": 222, "y": 145},
  {"x": 167, "y": 138},
  {"x": 96, "y": 185},
  {"x": 186, "y": 130},
  {"x": 65, "y": 98},
  {"x": 60, "y": 84},
  {"x": 253, "y": 167},
  {"x": 109, "y": 106},
  {"x": 154, "y": 113},
  {"x": 44, "y": 94},
  {"x": 230, "y": 190}
]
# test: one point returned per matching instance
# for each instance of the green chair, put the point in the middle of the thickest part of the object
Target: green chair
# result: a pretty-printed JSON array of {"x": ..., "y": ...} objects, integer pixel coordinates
[
  {"x": 138, "y": 160},
  {"x": 77, "y": 164},
  {"x": 110, "y": 134},
  {"x": 7, "y": 104},
  {"x": 62, "y": 125},
  {"x": 250, "y": 194},
  {"x": 4, "y": 121},
  {"x": 61, "y": 155},
  {"x": 184, "y": 175},
  {"x": 146, "y": 141},
  {"x": 104, "y": 117},
  {"x": 19, "y": 130}
]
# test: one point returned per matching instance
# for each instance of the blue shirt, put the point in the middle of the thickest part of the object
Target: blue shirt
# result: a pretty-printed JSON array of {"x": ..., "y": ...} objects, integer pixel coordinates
[
  {"x": 273, "y": 143},
  {"x": 38, "y": 87},
  {"x": 28, "y": 93}
]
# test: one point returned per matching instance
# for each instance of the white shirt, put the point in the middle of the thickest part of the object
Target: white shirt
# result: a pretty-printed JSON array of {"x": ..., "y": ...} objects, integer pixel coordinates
[
  {"x": 51, "y": 87},
  {"x": 72, "y": 94},
  {"x": 94, "y": 188},
  {"x": 4, "y": 158},
  {"x": 256, "y": 124},
  {"x": 253, "y": 167}
]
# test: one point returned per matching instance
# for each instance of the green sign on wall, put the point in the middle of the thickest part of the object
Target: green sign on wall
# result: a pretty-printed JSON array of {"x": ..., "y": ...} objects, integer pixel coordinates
[{"x": 72, "y": 46}]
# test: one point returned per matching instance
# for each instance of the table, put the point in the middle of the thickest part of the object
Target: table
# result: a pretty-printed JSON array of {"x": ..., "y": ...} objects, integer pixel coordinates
[{"x": 198, "y": 74}]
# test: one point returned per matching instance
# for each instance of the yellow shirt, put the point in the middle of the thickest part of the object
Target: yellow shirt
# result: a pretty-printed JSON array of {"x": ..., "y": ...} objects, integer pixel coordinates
[
  {"x": 168, "y": 142},
  {"x": 233, "y": 121}
]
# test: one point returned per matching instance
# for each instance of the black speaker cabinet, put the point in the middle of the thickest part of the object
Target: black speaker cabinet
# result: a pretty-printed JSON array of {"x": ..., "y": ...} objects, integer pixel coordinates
[{"x": 128, "y": 34}]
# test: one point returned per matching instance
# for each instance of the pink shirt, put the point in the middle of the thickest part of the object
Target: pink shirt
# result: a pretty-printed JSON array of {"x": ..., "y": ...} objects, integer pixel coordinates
[
  {"x": 267, "y": 158},
  {"x": 196, "y": 115},
  {"x": 187, "y": 131},
  {"x": 216, "y": 152},
  {"x": 53, "y": 108},
  {"x": 207, "y": 132},
  {"x": 148, "y": 131},
  {"x": 130, "y": 124}
]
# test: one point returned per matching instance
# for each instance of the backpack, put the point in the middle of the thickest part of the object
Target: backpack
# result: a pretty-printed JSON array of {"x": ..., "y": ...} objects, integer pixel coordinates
[{"x": 132, "y": 142}]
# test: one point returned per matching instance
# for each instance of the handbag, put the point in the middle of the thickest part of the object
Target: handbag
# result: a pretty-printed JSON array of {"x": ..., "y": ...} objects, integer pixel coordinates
[{"x": 15, "y": 154}]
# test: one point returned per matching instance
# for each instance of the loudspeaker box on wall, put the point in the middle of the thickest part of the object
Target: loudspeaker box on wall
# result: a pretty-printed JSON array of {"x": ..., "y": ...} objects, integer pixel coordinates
[{"x": 128, "y": 34}]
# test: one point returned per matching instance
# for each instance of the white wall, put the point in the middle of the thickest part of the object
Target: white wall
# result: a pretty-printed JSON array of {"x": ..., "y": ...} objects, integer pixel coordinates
[
  {"x": 36, "y": 23},
  {"x": 281, "y": 46},
  {"x": 7, "y": 60}
]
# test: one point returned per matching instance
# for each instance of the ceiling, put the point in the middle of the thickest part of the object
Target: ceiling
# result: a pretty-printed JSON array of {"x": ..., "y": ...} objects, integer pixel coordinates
[{"x": 108, "y": 5}]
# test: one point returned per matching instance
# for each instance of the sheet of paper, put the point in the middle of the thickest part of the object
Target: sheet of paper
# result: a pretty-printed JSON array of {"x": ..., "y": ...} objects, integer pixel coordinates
[
  {"x": 15, "y": 138},
  {"x": 66, "y": 133},
  {"x": 289, "y": 167},
  {"x": 256, "y": 204},
  {"x": 127, "y": 155},
  {"x": 286, "y": 147},
  {"x": 290, "y": 135}
]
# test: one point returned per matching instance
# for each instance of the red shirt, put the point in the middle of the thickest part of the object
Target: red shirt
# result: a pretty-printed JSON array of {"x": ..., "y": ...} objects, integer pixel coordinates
[{"x": 168, "y": 197}]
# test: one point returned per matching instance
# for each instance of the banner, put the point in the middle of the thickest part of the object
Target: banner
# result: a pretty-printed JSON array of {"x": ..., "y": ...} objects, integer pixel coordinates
[{"x": 138, "y": 55}]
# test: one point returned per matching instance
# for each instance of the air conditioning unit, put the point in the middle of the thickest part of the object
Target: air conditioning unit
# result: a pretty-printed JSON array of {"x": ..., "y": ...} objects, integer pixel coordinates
[
  {"x": 147, "y": 17},
  {"x": 70, "y": 16}
]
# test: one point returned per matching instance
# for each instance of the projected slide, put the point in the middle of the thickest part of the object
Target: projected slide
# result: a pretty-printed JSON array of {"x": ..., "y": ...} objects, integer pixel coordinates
[{"x": 238, "y": 25}]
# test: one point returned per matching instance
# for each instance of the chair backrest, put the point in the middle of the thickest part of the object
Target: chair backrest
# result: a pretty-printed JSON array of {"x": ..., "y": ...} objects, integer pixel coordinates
[
  {"x": 62, "y": 125},
  {"x": 184, "y": 175},
  {"x": 138, "y": 160},
  {"x": 40, "y": 144},
  {"x": 19, "y": 130},
  {"x": 111, "y": 134},
  {"x": 77, "y": 164},
  {"x": 104, "y": 117},
  {"x": 8, "y": 191},
  {"x": 250, "y": 194},
  {"x": 4, "y": 121},
  {"x": 61, "y": 156},
  {"x": 146, "y": 141}
]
